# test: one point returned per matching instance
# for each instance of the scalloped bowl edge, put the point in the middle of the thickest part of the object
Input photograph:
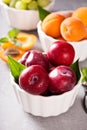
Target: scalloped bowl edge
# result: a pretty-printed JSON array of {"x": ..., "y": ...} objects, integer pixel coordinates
[{"x": 45, "y": 106}]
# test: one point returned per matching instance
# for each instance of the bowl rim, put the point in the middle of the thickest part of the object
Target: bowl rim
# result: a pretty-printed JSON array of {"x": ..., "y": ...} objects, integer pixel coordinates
[
  {"x": 41, "y": 96},
  {"x": 16, "y": 10}
]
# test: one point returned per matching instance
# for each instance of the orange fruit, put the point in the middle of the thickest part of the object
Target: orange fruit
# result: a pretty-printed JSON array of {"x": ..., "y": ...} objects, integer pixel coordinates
[
  {"x": 51, "y": 24},
  {"x": 10, "y": 49},
  {"x": 81, "y": 13},
  {"x": 73, "y": 29},
  {"x": 26, "y": 41},
  {"x": 66, "y": 14}
]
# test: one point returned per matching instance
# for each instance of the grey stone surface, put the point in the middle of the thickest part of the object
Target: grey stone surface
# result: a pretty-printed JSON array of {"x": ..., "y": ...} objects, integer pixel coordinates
[{"x": 12, "y": 117}]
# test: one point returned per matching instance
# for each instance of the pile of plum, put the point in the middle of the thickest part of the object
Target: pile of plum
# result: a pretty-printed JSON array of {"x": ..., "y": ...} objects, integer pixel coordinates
[{"x": 50, "y": 72}]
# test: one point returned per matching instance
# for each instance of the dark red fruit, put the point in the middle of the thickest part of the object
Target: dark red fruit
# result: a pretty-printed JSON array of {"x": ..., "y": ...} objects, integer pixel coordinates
[
  {"x": 61, "y": 79},
  {"x": 34, "y": 79},
  {"x": 37, "y": 58},
  {"x": 61, "y": 53},
  {"x": 24, "y": 57}
]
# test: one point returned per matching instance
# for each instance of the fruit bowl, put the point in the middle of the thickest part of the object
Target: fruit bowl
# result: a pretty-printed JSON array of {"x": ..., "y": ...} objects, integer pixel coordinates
[
  {"x": 22, "y": 19},
  {"x": 44, "y": 106},
  {"x": 47, "y": 41}
]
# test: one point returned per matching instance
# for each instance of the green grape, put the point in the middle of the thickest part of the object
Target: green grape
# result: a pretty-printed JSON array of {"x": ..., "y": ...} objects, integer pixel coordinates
[
  {"x": 21, "y": 5},
  {"x": 32, "y": 5},
  {"x": 6, "y": 1},
  {"x": 43, "y": 3},
  {"x": 27, "y": 1},
  {"x": 12, "y": 3}
]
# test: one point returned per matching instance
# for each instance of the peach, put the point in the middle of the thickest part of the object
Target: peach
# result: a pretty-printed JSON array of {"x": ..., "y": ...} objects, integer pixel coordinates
[
  {"x": 73, "y": 29},
  {"x": 51, "y": 24},
  {"x": 81, "y": 13}
]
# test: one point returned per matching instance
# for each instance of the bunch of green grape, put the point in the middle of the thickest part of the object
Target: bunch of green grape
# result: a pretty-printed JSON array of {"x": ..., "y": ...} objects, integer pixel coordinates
[{"x": 27, "y": 4}]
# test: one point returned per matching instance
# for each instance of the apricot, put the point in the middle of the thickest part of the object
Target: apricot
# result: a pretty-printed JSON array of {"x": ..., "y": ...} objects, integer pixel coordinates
[
  {"x": 73, "y": 29},
  {"x": 27, "y": 41},
  {"x": 81, "y": 13},
  {"x": 51, "y": 24},
  {"x": 66, "y": 14},
  {"x": 3, "y": 55}
]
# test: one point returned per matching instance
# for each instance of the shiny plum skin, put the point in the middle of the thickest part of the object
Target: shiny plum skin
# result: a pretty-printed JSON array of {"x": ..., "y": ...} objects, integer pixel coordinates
[
  {"x": 34, "y": 57},
  {"x": 48, "y": 73},
  {"x": 24, "y": 57},
  {"x": 37, "y": 58},
  {"x": 61, "y": 53},
  {"x": 62, "y": 79},
  {"x": 34, "y": 79}
]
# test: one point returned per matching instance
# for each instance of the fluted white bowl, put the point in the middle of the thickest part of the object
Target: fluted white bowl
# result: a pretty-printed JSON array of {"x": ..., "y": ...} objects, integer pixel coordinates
[
  {"x": 22, "y": 19},
  {"x": 45, "y": 106}
]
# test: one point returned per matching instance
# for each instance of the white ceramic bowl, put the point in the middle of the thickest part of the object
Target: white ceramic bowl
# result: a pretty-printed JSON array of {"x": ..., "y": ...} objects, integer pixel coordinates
[
  {"x": 47, "y": 41},
  {"x": 45, "y": 106},
  {"x": 22, "y": 19}
]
